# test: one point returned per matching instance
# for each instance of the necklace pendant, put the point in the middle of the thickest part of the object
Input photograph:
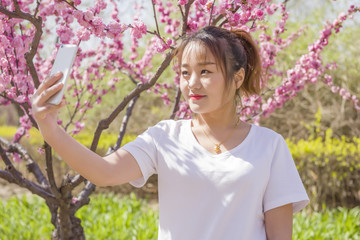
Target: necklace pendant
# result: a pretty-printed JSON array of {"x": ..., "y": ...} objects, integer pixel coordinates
[{"x": 217, "y": 149}]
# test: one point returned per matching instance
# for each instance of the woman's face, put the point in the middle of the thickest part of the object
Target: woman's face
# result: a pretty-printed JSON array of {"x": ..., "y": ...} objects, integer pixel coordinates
[{"x": 202, "y": 82}]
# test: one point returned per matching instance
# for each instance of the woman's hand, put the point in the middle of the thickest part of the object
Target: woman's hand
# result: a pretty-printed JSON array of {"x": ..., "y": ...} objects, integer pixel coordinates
[{"x": 43, "y": 112}]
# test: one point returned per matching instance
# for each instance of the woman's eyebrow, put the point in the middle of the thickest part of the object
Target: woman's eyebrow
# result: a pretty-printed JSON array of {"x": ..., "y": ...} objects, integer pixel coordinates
[{"x": 200, "y": 64}]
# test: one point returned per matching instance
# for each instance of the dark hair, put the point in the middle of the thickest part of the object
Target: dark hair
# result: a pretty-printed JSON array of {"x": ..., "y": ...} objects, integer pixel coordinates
[{"x": 233, "y": 50}]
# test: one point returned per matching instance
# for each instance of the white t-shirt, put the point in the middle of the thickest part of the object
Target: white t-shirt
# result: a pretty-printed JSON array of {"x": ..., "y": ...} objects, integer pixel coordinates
[{"x": 204, "y": 196}]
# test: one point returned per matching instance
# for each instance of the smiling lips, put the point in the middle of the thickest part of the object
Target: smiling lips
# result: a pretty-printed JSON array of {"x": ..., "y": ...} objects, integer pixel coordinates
[{"x": 196, "y": 97}]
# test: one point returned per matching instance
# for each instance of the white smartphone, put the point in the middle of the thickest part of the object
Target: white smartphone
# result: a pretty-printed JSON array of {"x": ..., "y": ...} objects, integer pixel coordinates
[{"x": 63, "y": 62}]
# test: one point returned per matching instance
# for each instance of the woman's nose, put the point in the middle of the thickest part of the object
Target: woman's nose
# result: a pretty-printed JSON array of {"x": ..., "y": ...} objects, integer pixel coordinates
[{"x": 194, "y": 82}]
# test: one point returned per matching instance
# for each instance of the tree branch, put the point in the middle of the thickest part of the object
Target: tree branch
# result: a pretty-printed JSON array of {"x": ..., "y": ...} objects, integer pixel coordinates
[
  {"x": 124, "y": 123},
  {"x": 185, "y": 17},
  {"x": 21, "y": 181},
  {"x": 156, "y": 22},
  {"x": 16, "y": 5},
  {"x": 71, "y": 4},
  {"x": 37, "y": 8},
  {"x": 7, "y": 176},
  {"x": 31, "y": 165},
  {"x": 176, "y": 104},
  {"x": 104, "y": 124},
  {"x": 50, "y": 171},
  {"x": 76, "y": 181},
  {"x": 83, "y": 197},
  {"x": 211, "y": 12},
  {"x": 216, "y": 20}
]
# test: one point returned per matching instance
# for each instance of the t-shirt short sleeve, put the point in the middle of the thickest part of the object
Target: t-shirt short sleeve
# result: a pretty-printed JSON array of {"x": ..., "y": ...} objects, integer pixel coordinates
[
  {"x": 143, "y": 149},
  {"x": 284, "y": 185}
]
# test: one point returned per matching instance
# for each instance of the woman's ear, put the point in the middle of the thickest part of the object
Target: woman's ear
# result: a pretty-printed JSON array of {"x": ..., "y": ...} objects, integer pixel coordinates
[{"x": 239, "y": 78}]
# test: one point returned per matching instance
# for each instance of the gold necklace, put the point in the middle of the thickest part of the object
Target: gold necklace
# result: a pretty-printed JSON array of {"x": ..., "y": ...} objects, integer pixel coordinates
[{"x": 217, "y": 149}]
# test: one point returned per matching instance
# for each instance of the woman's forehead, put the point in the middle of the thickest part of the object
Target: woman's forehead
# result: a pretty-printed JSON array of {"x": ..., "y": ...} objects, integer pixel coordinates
[{"x": 197, "y": 51}]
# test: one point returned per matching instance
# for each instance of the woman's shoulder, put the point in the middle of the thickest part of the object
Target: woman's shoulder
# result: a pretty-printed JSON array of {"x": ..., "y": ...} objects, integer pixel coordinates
[
  {"x": 264, "y": 131},
  {"x": 266, "y": 135},
  {"x": 170, "y": 123},
  {"x": 170, "y": 126}
]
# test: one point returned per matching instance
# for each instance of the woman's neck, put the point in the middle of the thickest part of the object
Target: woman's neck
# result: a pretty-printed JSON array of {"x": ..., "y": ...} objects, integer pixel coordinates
[{"x": 217, "y": 121}]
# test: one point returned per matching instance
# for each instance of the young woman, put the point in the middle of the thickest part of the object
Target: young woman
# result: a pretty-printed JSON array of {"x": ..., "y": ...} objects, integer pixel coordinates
[{"x": 219, "y": 177}]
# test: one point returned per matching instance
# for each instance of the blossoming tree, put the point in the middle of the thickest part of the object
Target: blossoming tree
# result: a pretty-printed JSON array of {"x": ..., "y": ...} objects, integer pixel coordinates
[{"x": 23, "y": 30}]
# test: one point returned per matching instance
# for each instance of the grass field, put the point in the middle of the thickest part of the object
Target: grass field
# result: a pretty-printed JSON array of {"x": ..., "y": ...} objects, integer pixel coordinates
[{"x": 109, "y": 217}]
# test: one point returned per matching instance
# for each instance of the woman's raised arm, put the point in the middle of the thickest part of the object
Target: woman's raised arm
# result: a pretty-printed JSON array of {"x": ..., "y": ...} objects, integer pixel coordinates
[{"x": 117, "y": 168}]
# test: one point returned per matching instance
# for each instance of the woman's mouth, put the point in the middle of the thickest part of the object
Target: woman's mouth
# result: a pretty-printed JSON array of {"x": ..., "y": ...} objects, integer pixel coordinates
[{"x": 196, "y": 97}]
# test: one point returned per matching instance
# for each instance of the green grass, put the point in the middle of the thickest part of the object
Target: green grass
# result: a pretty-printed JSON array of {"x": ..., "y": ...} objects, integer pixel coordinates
[
  {"x": 340, "y": 223},
  {"x": 109, "y": 217}
]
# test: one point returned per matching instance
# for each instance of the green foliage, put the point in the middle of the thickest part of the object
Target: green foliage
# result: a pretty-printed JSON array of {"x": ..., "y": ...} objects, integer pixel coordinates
[
  {"x": 328, "y": 166},
  {"x": 109, "y": 217},
  {"x": 25, "y": 218},
  {"x": 338, "y": 223}
]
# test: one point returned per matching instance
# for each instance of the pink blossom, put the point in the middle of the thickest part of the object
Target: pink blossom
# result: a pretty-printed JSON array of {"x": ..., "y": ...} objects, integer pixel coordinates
[
  {"x": 65, "y": 33},
  {"x": 259, "y": 13},
  {"x": 270, "y": 9},
  {"x": 138, "y": 29},
  {"x": 78, "y": 14},
  {"x": 17, "y": 42},
  {"x": 100, "y": 5},
  {"x": 78, "y": 127},
  {"x": 4, "y": 42},
  {"x": 82, "y": 34},
  {"x": 97, "y": 21},
  {"x": 40, "y": 150},
  {"x": 20, "y": 99},
  {"x": 4, "y": 62},
  {"x": 16, "y": 158},
  {"x": 193, "y": 26},
  {"x": 98, "y": 100},
  {"x": 203, "y": 2},
  {"x": 182, "y": 2},
  {"x": 335, "y": 89},
  {"x": 165, "y": 98},
  {"x": 88, "y": 15},
  {"x": 326, "y": 33},
  {"x": 19, "y": 133},
  {"x": 116, "y": 27},
  {"x": 161, "y": 46},
  {"x": 342, "y": 16}
]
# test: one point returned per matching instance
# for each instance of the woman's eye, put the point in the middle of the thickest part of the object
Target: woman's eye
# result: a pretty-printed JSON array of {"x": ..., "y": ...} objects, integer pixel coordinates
[
  {"x": 205, "y": 71},
  {"x": 184, "y": 73}
]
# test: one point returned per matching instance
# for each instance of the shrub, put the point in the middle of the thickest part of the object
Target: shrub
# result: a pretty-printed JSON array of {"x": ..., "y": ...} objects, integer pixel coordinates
[{"x": 329, "y": 168}]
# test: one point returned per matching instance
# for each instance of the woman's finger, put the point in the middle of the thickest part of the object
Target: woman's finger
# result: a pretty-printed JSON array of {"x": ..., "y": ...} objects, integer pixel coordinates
[
  {"x": 48, "y": 93},
  {"x": 48, "y": 82},
  {"x": 43, "y": 111}
]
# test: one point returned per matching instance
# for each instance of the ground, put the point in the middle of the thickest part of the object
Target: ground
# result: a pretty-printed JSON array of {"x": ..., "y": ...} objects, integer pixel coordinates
[{"x": 9, "y": 189}]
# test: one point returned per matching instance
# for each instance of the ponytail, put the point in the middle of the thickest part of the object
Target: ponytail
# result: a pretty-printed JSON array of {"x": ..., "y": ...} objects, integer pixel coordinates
[{"x": 252, "y": 66}]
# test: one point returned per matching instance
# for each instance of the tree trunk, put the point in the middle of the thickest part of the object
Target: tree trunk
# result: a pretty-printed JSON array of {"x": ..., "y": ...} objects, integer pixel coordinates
[{"x": 67, "y": 226}]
